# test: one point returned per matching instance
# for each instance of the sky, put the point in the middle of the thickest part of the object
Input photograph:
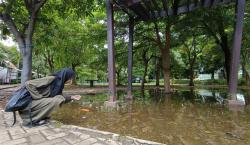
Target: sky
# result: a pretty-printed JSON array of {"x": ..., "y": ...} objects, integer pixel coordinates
[{"x": 8, "y": 42}]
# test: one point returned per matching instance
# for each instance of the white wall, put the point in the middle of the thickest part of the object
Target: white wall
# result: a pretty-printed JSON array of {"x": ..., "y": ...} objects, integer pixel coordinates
[{"x": 7, "y": 74}]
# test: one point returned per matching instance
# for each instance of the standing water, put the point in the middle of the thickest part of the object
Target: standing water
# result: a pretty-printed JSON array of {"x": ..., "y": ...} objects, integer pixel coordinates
[{"x": 194, "y": 117}]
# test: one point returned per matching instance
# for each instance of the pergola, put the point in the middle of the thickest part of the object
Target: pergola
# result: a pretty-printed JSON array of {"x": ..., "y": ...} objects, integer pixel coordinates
[{"x": 150, "y": 10}]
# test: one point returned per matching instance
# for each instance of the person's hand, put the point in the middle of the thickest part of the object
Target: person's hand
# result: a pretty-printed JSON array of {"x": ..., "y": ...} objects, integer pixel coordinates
[{"x": 76, "y": 97}]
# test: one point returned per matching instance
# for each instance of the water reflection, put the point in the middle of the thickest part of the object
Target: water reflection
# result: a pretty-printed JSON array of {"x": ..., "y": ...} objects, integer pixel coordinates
[{"x": 184, "y": 117}]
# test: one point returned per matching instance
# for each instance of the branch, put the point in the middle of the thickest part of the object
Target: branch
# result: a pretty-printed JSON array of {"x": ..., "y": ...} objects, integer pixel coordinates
[
  {"x": 28, "y": 6},
  {"x": 11, "y": 25},
  {"x": 188, "y": 50},
  {"x": 149, "y": 38},
  {"x": 36, "y": 5},
  {"x": 152, "y": 56},
  {"x": 211, "y": 31},
  {"x": 158, "y": 36},
  {"x": 4, "y": 16},
  {"x": 39, "y": 4}
]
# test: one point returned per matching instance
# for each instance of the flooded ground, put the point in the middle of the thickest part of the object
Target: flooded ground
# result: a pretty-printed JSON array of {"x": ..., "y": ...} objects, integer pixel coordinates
[{"x": 190, "y": 117}]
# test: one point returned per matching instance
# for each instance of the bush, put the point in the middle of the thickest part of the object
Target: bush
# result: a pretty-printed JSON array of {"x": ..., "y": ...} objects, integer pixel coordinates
[
  {"x": 200, "y": 82},
  {"x": 241, "y": 82},
  {"x": 180, "y": 81},
  {"x": 211, "y": 82}
]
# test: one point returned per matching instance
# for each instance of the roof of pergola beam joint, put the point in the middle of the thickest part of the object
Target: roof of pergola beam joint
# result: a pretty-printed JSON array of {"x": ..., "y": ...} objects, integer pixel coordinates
[{"x": 145, "y": 10}]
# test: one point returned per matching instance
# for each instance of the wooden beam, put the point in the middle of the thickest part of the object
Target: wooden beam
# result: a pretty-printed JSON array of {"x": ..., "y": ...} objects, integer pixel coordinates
[
  {"x": 140, "y": 10},
  {"x": 137, "y": 7},
  {"x": 147, "y": 4},
  {"x": 155, "y": 5},
  {"x": 149, "y": 8},
  {"x": 175, "y": 6},
  {"x": 191, "y": 7},
  {"x": 233, "y": 80},
  {"x": 211, "y": 3},
  {"x": 129, "y": 2},
  {"x": 122, "y": 8},
  {"x": 195, "y": 2},
  {"x": 188, "y": 3},
  {"x": 202, "y": 2},
  {"x": 111, "y": 51},
  {"x": 165, "y": 5}
]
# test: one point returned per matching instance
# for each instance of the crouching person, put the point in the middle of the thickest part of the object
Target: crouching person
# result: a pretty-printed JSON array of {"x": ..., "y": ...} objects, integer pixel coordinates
[{"x": 46, "y": 96}]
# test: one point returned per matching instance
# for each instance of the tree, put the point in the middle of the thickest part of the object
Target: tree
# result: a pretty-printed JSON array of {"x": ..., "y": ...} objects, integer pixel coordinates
[
  {"x": 191, "y": 51},
  {"x": 211, "y": 59},
  {"x": 165, "y": 53},
  {"x": 20, "y": 17},
  {"x": 191, "y": 43},
  {"x": 218, "y": 24}
]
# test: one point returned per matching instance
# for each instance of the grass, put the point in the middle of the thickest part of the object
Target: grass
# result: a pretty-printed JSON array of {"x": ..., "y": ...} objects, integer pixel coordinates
[{"x": 176, "y": 82}]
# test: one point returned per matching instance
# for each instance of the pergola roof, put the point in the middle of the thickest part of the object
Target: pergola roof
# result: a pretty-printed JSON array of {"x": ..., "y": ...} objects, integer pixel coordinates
[{"x": 144, "y": 10}]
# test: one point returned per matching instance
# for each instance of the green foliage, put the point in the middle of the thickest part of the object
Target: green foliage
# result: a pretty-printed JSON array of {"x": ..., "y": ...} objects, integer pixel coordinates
[
  {"x": 72, "y": 42},
  {"x": 9, "y": 54},
  {"x": 73, "y": 34}
]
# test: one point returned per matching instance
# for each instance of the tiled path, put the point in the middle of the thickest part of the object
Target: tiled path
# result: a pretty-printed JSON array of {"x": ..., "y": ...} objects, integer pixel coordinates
[{"x": 56, "y": 133}]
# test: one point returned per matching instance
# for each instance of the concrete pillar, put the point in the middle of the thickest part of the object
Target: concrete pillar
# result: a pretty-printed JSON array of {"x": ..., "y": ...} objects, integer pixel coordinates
[{"x": 233, "y": 80}]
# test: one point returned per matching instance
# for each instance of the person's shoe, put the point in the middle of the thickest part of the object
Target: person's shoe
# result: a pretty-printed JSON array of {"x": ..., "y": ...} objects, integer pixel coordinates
[
  {"x": 41, "y": 122},
  {"x": 37, "y": 123}
]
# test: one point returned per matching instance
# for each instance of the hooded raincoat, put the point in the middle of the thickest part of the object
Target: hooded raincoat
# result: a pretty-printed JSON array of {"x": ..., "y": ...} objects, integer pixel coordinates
[{"x": 46, "y": 95}]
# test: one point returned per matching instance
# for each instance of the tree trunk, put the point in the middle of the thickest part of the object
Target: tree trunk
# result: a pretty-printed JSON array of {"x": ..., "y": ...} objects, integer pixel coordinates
[
  {"x": 118, "y": 78},
  {"x": 227, "y": 55},
  {"x": 165, "y": 55},
  {"x": 222, "y": 40},
  {"x": 74, "y": 79},
  {"x": 166, "y": 61},
  {"x": 50, "y": 62},
  {"x": 247, "y": 98},
  {"x": 51, "y": 66},
  {"x": 144, "y": 75},
  {"x": 157, "y": 73},
  {"x": 191, "y": 75},
  {"x": 26, "y": 51},
  {"x": 224, "y": 45},
  {"x": 212, "y": 75},
  {"x": 166, "y": 71},
  {"x": 37, "y": 72}
]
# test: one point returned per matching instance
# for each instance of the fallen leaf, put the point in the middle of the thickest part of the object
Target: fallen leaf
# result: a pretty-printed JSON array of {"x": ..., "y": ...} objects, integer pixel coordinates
[{"x": 84, "y": 110}]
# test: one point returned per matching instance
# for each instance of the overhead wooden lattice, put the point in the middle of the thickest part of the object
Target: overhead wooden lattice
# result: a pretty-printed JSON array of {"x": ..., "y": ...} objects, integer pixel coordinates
[{"x": 152, "y": 9}]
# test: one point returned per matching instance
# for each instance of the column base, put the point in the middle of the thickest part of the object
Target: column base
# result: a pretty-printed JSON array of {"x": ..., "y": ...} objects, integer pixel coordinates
[
  {"x": 110, "y": 106},
  {"x": 235, "y": 100},
  {"x": 235, "y": 105}
]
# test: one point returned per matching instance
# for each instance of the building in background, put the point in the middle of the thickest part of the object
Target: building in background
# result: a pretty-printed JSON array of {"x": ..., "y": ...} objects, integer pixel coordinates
[{"x": 9, "y": 73}]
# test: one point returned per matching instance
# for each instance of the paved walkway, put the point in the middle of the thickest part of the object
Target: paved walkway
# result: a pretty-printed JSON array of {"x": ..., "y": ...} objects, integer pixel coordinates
[
  {"x": 2, "y": 87},
  {"x": 56, "y": 133}
]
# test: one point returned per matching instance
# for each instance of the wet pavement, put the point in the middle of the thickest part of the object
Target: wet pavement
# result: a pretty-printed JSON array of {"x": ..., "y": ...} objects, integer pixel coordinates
[{"x": 55, "y": 133}]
